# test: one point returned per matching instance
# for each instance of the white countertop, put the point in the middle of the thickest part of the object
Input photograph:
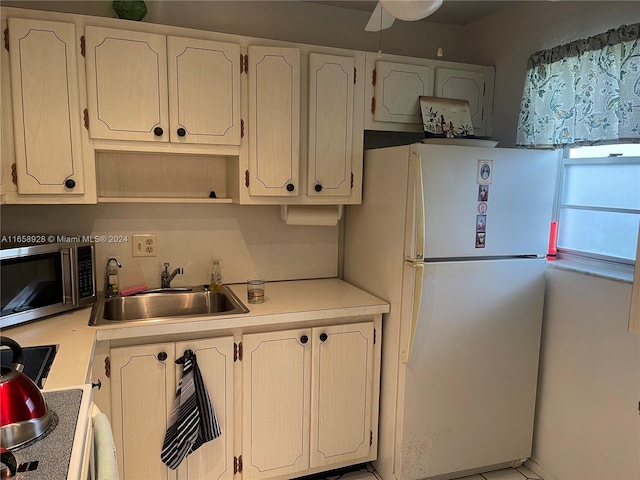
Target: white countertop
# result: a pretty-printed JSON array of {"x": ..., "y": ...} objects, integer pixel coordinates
[
  {"x": 286, "y": 303},
  {"x": 75, "y": 340}
]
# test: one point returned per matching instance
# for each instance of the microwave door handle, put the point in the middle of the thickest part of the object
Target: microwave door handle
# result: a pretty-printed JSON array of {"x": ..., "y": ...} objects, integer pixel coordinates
[{"x": 68, "y": 279}]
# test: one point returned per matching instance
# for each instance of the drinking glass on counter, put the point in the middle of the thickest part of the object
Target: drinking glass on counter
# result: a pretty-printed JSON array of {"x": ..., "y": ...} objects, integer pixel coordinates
[{"x": 255, "y": 290}]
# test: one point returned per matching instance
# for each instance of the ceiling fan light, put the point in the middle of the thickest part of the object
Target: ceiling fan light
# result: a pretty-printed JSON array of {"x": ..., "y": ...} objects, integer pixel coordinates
[{"x": 410, "y": 10}]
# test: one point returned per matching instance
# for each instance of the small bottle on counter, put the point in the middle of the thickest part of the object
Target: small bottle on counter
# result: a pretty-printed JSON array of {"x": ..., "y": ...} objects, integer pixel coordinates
[
  {"x": 216, "y": 277},
  {"x": 112, "y": 284}
]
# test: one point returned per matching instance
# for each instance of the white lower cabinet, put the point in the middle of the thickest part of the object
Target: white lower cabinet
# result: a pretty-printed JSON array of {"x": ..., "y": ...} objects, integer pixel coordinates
[
  {"x": 306, "y": 399},
  {"x": 341, "y": 393},
  {"x": 276, "y": 382},
  {"x": 307, "y": 402},
  {"x": 143, "y": 385}
]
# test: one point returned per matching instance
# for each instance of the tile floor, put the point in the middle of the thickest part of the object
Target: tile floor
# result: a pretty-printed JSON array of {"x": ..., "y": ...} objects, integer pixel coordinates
[{"x": 367, "y": 472}]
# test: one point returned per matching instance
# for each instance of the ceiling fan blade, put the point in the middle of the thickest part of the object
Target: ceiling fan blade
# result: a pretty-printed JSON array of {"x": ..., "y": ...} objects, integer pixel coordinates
[
  {"x": 380, "y": 20},
  {"x": 410, "y": 10}
]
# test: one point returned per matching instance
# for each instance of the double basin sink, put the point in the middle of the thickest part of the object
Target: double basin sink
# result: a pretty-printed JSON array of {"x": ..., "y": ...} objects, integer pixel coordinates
[{"x": 166, "y": 303}]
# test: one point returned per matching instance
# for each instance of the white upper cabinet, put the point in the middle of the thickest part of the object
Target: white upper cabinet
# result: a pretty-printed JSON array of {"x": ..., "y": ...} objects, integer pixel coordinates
[
  {"x": 331, "y": 86},
  {"x": 46, "y": 108},
  {"x": 398, "y": 88},
  {"x": 149, "y": 87},
  {"x": 464, "y": 85},
  {"x": 274, "y": 119},
  {"x": 305, "y": 126},
  {"x": 395, "y": 83},
  {"x": 127, "y": 85},
  {"x": 204, "y": 91}
]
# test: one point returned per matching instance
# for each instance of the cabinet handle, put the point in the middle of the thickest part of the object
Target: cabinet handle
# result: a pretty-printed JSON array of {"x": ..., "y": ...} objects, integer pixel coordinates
[
  {"x": 69, "y": 183},
  {"x": 323, "y": 337},
  {"x": 158, "y": 132},
  {"x": 162, "y": 356},
  {"x": 182, "y": 132},
  {"x": 290, "y": 187},
  {"x": 304, "y": 339},
  {"x": 318, "y": 188}
]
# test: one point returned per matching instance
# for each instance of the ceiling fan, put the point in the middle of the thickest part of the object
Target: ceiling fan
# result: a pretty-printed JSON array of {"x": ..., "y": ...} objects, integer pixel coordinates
[{"x": 387, "y": 11}]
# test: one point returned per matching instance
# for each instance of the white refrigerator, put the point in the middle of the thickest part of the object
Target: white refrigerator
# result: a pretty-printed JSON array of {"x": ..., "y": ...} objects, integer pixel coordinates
[{"x": 454, "y": 237}]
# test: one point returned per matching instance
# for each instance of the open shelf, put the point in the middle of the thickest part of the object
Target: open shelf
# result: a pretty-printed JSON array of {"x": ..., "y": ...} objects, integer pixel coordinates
[{"x": 163, "y": 178}]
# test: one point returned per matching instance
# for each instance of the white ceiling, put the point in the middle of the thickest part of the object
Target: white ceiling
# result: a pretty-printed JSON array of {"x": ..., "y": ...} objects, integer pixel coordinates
[{"x": 452, "y": 12}]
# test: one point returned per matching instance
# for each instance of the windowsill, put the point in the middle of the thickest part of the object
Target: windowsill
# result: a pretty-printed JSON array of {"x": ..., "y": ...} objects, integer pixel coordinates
[{"x": 618, "y": 274}]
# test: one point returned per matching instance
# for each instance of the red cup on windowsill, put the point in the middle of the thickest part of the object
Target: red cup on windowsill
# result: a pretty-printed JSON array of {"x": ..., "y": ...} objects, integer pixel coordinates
[{"x": 552, "y": 252}]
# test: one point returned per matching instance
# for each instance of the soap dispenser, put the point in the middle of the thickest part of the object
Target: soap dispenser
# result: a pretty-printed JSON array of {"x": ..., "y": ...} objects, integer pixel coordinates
[
  {"x": 111, "y": 286},
  {"x": 216, "y": 277}
]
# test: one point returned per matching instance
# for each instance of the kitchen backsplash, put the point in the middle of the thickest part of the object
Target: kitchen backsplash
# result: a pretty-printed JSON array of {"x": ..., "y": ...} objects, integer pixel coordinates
[{"x": 249, "y": 241}]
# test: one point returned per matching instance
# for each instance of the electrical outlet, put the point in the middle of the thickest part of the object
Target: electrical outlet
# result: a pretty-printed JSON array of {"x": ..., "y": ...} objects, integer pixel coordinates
[{"x": 144, "y": 245}]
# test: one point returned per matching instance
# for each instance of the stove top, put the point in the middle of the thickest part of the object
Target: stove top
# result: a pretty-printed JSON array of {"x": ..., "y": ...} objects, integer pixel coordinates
[
  {"x": 49, "y": 456},
  {"x": 37, "y": 361}
]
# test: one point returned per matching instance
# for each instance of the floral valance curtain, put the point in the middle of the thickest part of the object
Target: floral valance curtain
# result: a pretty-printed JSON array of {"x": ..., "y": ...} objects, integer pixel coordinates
[{"x": 583, "y": 93}]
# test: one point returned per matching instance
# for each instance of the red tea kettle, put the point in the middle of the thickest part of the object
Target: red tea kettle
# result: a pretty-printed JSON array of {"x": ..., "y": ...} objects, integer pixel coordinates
[{"x": 24, "y": 414}]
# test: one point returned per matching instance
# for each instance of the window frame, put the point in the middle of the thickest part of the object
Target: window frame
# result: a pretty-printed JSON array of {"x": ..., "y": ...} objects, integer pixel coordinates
[{"x": 591, "y": 262}]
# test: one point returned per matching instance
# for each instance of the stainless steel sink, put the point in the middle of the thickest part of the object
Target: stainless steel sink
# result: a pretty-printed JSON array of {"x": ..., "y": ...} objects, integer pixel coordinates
[{"x": 166, "y": 304}]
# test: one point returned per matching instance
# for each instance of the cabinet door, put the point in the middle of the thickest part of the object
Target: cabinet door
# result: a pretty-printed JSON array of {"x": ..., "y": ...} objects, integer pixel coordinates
[
  {"x": 397, "y": 89},
  {"x": 274, "y": 121},
  {"x": 214, "y": 459},
  {"x": 46, "y": 109},
  {"x": 142, "y": 393},
  {"x": 342, "y": 387},
  {"x": 463, "y": 85},
  {"x": 126, "y": 84},
  {"x": 331, "y": 82},
  {"x": 204, "y": 91},
  {"x": 276, "y": 375}
]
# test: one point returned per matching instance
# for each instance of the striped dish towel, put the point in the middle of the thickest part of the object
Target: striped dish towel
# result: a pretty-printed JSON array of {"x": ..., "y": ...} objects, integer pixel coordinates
[{"x": 193, "y": 421}]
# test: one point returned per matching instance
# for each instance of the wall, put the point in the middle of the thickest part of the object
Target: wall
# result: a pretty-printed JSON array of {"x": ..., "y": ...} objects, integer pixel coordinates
[
  {"x": 587, "y": 423},
  {"x": 249, "y": 240}
]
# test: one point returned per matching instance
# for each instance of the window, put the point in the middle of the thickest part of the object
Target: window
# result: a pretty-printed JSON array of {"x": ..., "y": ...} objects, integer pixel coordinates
[{"x": 598, "y": 204}]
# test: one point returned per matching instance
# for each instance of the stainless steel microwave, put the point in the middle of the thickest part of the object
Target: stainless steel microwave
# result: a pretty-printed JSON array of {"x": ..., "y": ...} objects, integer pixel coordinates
[{"x": 45, "y": 279}]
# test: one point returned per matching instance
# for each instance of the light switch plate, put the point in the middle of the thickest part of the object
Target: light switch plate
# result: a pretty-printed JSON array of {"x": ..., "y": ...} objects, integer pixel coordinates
[{"x": 144, "y": 245}]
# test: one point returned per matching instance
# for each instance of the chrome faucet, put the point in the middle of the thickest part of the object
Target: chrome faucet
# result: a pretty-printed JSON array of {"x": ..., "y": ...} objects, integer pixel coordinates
[
  {"x": 166, "y": 277},
  {"x": 111, "y": 278}
]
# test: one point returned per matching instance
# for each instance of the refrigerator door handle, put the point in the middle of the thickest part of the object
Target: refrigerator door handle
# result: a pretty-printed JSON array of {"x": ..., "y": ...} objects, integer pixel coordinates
[
  {"x": 415, "y": 249},
  {"x": 419, "y": 214},
  {"x": 415, "y": 306}
]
